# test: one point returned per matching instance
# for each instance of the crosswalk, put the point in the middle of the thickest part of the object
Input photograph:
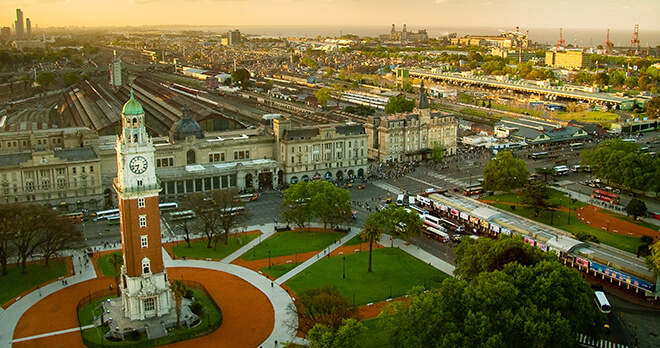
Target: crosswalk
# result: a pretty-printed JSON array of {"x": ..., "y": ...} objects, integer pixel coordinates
[
  {"x": 590, "y": 342},
  {"x": 446, "y": 178}
]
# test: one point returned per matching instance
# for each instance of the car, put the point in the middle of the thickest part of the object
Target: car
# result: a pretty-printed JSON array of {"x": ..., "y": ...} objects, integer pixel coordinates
[
  {"x": 362, "y": 186},
  {"x": 430, "y": 190}
]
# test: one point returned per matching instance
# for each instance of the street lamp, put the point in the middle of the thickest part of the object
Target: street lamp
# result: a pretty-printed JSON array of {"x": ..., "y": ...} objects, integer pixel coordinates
[
  {"x": 608, "y": 225},
  {"x": 268, "y": 259},
  {"x": 344, "y": 267}
]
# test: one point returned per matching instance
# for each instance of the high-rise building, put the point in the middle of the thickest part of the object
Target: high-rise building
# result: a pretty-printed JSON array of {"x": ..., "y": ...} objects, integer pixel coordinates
[
  {"x": 5, "y": 32},
  {"x": 115, "y": 70},
  {"x": 234, "y": 37},
  {"x": 19, "y": 24},
  {"x": 28, "y": 29},
  {"x": 144, "y": 285}
]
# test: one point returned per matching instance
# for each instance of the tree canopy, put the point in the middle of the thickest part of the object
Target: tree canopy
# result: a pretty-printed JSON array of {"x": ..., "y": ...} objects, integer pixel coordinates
[
  {"x": 543, "y": 304},
  {"x": 322, "y": 95},
  {"x": 437, "y": 152},
  {"x": 505, "y": 173},
  {"x": 305, "y": 201},
  {"x": 537, "y": 197},
  {"x": 324, "y": 306},
  {"x": 242, "y": 77},
  {"x": 399, "y": 104},
  {"x": 349, "y": 335},
  {"x": 653, "y": 108},
  {"x": 636, "y": 207}
]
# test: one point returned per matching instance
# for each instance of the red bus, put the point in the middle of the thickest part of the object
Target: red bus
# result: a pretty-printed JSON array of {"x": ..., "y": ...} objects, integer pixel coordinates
[{"x": 605, "y": 196}]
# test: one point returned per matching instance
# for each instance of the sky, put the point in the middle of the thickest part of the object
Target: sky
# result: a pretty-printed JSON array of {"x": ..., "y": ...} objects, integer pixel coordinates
[{"x": 417, "y": 14}]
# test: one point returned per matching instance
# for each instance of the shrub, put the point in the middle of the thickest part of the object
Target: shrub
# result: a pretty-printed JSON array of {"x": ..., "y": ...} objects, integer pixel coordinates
[{"x": 197, "y": 308}]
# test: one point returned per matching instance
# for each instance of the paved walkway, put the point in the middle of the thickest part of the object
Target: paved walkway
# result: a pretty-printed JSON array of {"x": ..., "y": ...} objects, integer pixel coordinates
[{"x": 418, "y": 253}]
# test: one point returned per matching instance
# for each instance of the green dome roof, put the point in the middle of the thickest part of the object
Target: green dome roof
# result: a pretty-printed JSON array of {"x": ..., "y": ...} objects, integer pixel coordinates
[{"x": 132, "y": 107}]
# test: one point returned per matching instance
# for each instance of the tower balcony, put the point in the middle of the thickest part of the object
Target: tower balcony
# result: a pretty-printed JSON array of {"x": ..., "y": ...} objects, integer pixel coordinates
[{"x": 134, "y": 190}]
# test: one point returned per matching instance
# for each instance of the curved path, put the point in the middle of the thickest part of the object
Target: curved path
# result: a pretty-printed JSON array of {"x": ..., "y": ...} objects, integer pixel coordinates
[{"x": 255, "y": 310}]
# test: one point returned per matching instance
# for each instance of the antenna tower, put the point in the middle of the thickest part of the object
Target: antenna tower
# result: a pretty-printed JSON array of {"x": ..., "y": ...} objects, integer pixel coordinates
[
  {"x": 561, "y": 42},
  {"x": 634, "y": 41},
  {"x": 608, "y": 45}
]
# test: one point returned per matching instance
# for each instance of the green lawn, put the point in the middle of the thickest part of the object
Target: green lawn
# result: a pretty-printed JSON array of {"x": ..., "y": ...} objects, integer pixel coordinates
[
  {"x": 212, "y": 316},
  {"x": 198, "y": 249},
  {"x": 376, "y": 337},
  {"x": 557, "y": 197},
  {"x": 354, "y": 241},
  {"x": 560, "y": 220},
  {"x": 277, "y": 271},
  {"x": 292, "y": 242},
  {"x": 14, "y": 283},
  {"x": 88, "y": 313},
  {"x": 588, "y": 116},
  {"x": 105, "y": 267},
  {"x": 394, "y": 272}
]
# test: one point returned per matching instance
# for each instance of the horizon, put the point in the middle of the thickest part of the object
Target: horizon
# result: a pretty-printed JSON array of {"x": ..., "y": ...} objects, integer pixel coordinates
[{"x": 505, "y": 14}]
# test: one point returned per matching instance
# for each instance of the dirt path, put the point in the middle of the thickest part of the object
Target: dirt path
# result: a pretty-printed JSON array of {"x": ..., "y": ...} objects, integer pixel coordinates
[
  {"x": 595, "y": 217},
  {"x": 248, "y": 317}
]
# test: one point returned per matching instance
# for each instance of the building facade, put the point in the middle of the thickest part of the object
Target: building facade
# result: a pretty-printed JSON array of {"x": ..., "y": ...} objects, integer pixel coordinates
[
  {"x": 568, "y": 60},
  {"x": 144, "y": 286},
  {"x": 329, "y": 152},
  {"x": 411, "y": 136}
]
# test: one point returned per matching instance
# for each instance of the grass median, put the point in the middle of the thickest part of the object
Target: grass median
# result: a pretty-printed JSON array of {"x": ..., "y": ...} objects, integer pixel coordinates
[{"x": 292, "y": 242}]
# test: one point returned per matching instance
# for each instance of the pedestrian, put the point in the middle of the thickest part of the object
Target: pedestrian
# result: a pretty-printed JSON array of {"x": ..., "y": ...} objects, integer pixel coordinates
[
  {"x": 275, "y": 343},
  {"x": 272, "y": 285}
]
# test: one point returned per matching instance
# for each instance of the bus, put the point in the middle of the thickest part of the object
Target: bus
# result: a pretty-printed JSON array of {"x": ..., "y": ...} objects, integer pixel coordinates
[
  {"x": 452, "y": 226},
  {"x": 182, "y": 215},
  {"x": 561, "y": 170},
  {"x": 436, "y": 234},
  {"x": 602, "y": 302},
  {"x": 399, "y": 200},
  {"x": 605, "y": 196},
  {"x": 103, "y": 214},
  {"x": 474, "y": 189},
  {"x": 411, "y": 201},
  {"x": 576, "y": 146},
  {"x": 168, "y": 206},
  {"x": 432, "y": 221},
  {"x": 249, "y": 197},
  {"x": 233, "y": 210},
  {"x": 539, "y": 155},
  {"x": 419, "y": 210},
  {"x": 76, "y": 218}
]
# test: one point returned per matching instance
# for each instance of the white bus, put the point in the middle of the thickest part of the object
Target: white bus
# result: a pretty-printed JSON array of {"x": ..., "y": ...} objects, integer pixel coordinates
[
  {"x": 451, "y": 226},
  {"x": 561, "y": 170},
  {"x": 168, "y": 206},
  {"x": 399, "y": 200},
  {"x": 419, "y": 210},
  {"x": 602, "y": 302},
  {"x": 103, "y": 214},
  {"x": 182, "y": 215},
  {"x": 411, "y": 200}
]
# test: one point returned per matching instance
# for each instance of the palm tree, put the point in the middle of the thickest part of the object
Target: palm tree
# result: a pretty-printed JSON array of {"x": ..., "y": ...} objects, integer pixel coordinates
[
  {"x": 116, "y": 261},
  {"x": 371, "y": 233},
  {"x": 178, "y": 290}
]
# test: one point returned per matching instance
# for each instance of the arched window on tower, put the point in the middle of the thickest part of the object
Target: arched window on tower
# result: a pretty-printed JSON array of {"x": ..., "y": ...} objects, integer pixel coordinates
[
  {"x": 146, "y": 266},
  {"x": 190, "y": 157},
  {"x": 135, "y": 123},
  {"x": 135, "y": 138}
]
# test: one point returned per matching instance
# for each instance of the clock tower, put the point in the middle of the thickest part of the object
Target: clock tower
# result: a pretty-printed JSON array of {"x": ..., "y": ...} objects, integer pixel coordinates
[{"x": 144, "y": 286}]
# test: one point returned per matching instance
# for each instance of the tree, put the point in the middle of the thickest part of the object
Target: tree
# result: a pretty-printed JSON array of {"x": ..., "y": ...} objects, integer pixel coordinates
[
  {"x": 653, "y": 260},
  {"x": 437, "y": 152},
  {"x": 183, "y": 225},
  {"x": 59, "y": 236},
  {"x": 115, "y": 260},
  {"x": 399, "y": 104},
  {"x": 349, "y": 335},
  {"x": 324, "y": 306},
  {"x": 329, "y": 203},
  {"x": 296, "y": 206},
  {"x": 545, "y": 172},
  {"x": 322, "y": 95},
  {"x": 8, "y": 214},
  {"x": 536, "y": 197},
  {"x": 505, "y": 172},
  {"x": 309, "y": 62},
  {"x": 71, "y": 79},
  {"x": 27, "y": 229},
  {"x": 207, "y": 217},
  {"x": 371, "y": 232},
  {"x": 242, "y": 77},
  {"x": 399, "y": 222},
  {"x": 488, "y": 255},
  {"x": 636, "y": 207},
  {"x": 46, "y": 79},
  {"x": 178, "y": 290},
  {"x": 542, "y": 305},
  {"x": 653, "y": 107},
  {"x": 228, "y": 211}
]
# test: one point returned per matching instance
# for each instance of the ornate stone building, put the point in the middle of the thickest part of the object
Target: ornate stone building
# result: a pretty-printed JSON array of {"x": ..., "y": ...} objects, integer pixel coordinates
[{"x": 411, "y": 136}]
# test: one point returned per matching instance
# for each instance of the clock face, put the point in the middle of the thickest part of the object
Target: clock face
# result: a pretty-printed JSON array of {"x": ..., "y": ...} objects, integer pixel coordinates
[{"x": 138, "y": 164}]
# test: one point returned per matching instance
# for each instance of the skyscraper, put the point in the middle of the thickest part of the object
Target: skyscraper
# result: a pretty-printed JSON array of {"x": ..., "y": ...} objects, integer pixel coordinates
[
  {"x": 28, "y": 29},
  {"x": 19, "y": 24},
  {"x": 234, "y": 37}
]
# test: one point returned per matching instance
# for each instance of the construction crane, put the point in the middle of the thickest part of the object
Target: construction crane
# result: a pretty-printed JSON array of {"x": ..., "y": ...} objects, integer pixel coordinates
[
  {"x": 561, "y": 42},
  {"x": 608, "y": 45},
  {"x": 634, "y": 41}
]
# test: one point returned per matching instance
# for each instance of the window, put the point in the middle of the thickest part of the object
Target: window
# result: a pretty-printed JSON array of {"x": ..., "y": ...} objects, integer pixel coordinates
[
  {"x": 59, "y": 171},
  {"x": 146, "y": 266},
  {"x": 141, "y": 203},
  {"x": 165, "y": 162},
  {"x": 91, "y": 169},
  {"x": 143, "y": 221},
  {"x": 217, "y": 157},
  {"x": 82, "y": 169},
  {"x": 73, "y": 170},
  {"x": 149, "y": 304},
  {"x": 139, "y": 182},
  {"x": 61, "y": 183},
  {"x": 144, "y": 241},
  {"x": 241, "y": 155}
]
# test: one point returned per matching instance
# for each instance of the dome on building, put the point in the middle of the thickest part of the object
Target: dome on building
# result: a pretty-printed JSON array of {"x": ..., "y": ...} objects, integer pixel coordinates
[
  {"x": 185, "y": 127},
  {"x": 132, "y": 107},
  {"x": 422, "y": 102}
]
